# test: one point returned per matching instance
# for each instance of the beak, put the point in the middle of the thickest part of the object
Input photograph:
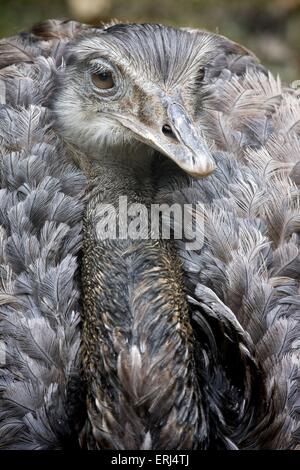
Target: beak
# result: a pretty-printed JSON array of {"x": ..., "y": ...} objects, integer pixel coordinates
[
  {"x": 190, "y": 152},
  {"x": 177, "y": 139}
]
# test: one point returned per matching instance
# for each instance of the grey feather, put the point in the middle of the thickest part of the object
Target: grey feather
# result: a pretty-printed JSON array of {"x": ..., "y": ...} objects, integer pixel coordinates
[
  {"x": 179, "y": 349},
  {"x": 40, "y": 226}
]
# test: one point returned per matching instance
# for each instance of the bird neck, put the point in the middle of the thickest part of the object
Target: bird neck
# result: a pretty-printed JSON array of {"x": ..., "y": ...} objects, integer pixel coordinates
[
  {"x": 137, "y": 342},
  {"x": 131, "y": 158}
]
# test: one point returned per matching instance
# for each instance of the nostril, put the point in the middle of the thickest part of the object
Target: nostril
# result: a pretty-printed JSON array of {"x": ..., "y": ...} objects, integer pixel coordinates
[{"x": 167, "y": 131}]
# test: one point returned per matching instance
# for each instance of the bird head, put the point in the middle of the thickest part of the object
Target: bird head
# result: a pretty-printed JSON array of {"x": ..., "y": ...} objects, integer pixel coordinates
[{"x": 139, "y": 83}]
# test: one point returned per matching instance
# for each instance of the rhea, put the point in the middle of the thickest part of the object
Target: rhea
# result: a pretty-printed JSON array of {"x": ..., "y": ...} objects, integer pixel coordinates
[
  {"x": 126, "y": 95},
  {"x": 125, "y": 343}
]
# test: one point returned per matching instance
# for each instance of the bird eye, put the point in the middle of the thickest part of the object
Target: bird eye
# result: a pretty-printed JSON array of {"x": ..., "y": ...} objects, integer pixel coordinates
[{"x": 103, "y": 79}]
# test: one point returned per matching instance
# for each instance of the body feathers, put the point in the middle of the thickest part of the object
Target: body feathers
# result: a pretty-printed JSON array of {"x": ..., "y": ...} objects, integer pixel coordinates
[{"x": 241, "y": 289}]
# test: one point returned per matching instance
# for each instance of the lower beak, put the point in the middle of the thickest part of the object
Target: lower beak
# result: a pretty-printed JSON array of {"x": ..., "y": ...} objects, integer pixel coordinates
[{"x": 177, "y": 139}]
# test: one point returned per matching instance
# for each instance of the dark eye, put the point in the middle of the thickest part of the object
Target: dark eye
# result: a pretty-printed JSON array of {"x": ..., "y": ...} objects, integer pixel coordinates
[{"x": 103, "y": 79}]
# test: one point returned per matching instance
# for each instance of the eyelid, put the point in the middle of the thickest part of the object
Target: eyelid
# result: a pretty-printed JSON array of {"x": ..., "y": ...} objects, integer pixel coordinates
[{"x": 97, "y": 66}]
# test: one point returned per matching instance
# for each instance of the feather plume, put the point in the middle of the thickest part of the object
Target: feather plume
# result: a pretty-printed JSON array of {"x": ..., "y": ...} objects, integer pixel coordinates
[
  {"x": 250, "y": 257},
  {"x": 40, "y": 237}
]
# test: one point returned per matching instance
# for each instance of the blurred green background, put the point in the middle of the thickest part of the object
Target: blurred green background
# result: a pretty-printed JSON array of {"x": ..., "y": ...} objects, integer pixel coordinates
[{"x": 271, "y": 28}]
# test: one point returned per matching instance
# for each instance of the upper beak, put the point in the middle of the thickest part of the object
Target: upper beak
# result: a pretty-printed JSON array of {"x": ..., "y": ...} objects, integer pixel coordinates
[
  {"x": 177, "y": 138},
  {"x": 190, "y": 152}
]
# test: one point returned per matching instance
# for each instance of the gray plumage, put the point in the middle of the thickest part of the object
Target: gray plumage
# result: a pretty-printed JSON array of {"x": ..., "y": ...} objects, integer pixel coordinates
[{"x": 180, "y": 349}]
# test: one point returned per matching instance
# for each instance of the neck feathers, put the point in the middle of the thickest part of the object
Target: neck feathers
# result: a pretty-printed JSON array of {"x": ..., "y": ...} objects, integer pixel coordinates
[{"x": 137, "y": 340}]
